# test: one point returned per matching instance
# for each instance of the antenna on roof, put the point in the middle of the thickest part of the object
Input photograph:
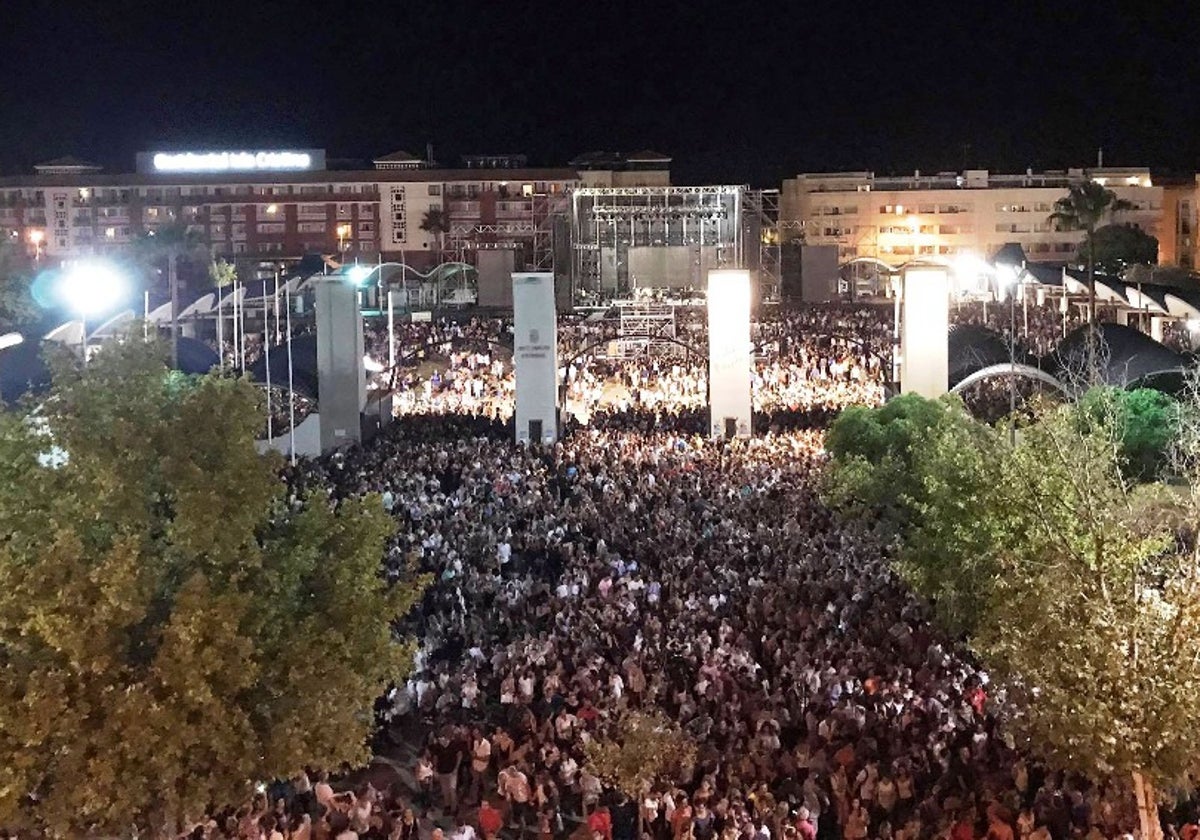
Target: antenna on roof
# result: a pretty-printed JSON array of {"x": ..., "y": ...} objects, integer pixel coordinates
[
  {"x": 1100, "y": 158},
  {"x": 429, "y": 153}
]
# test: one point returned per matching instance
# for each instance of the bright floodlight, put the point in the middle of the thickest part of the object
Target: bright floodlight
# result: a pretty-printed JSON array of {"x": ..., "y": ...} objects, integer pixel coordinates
[
  {"x": 358, "y": 274},
  {"x": 91, "y": 288}
]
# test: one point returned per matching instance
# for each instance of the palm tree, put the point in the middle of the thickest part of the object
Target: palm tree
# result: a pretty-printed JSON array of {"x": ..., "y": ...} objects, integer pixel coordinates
[
  {"x": 171, "y": 242},
  {"x": 1084, "y": 207},
  {"x": 437, "y": 222}
]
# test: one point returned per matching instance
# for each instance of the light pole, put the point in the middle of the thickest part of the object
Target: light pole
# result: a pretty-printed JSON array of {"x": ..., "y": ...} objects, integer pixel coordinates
[
  {"x": 89, "y": 289},
  {"x": 36, "y": 237},
  {"x": 1010, "y": 276}
]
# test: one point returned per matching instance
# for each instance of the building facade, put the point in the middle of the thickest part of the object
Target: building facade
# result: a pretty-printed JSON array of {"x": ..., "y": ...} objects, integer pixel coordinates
[
  {"x": 897, "y": 219},
  {"x": 402, "y": 210}
]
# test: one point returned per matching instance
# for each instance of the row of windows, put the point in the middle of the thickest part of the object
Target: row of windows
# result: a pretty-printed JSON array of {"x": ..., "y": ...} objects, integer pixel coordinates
[{"x": 901, "y": 209}]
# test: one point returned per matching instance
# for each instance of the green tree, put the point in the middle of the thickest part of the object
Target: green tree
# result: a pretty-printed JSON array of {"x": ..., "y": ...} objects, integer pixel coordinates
[
  {"x": 17, "y": 306},
  {"x": 1145, "y": 421},
  {"x": 1116, "y": 248},
  {"x": 437, "y": 222},
  {"x": 1078, "y": 588},
  {"x": 171, "y": 243},
  {"x": 171, "y": 630},
  {"x": 1084, "y": 207},
  {"x": 643, "y": 749}
]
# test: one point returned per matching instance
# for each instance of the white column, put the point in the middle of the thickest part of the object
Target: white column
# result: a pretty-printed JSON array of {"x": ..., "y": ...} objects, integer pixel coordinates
[
  {"x": 535, "y": 357},
  {"x": 925, "y": 327},
  {"x": 729, "y": 347}
]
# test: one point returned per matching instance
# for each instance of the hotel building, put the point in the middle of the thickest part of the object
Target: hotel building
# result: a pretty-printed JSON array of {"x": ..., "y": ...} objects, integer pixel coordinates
[{"x": 897, "y": 219}]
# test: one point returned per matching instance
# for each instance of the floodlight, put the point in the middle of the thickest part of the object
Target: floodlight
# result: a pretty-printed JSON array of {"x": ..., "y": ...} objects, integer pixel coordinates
[
  {"x": 92, "y": 287},
  {"x": 358, "y": 274}
]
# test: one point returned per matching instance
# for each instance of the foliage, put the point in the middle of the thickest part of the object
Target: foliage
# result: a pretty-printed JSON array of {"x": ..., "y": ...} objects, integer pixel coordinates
[
  {"x": 222, "y": 273},
  {"x": 170, "y": 629},
  {"x": 17, "y": 306},
  {"x": 1078, "y": 589},
  {"x": 875, "y": 450},
  {"x": 1095, "y": 616},
  {"x": 1144, "y": 420},
  {"x": 1118, "y": 247},
  {"x": 158, "y": 249},
  {"x": 644, "y": 749},
  {"x": 435, "y": 221},
  {"x": 1084, "y": 207}
]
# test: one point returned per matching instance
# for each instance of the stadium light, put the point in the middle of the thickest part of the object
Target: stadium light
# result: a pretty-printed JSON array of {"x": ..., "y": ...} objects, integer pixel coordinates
[
  {"x": 358, "y": 274},
  {"x": 92, "y": 288}
]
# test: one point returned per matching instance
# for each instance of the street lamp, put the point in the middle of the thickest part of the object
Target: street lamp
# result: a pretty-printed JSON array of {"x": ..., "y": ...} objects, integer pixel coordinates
[
  {"x": 36, "y": 237},
  {"x": 1008, "y": 277},
  {"x": 91, "y": 288}
]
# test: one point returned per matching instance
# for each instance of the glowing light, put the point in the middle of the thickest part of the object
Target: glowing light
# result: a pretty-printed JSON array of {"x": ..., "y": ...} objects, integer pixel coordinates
[
  {"x": 914, "y": 225},
  {"x": 92, "y": 287},
  {"x": 343, "y": 231},
  {"x": 371, "y": 366},
  {"x": 110, "y": 233},
  {"x": 272, "y": 209},
  {"x": 729, "y": 350},
  {"x": 358, "y": 274},
  {"x": 232, "y": 161},
  {"x": 37, "y": 236}
]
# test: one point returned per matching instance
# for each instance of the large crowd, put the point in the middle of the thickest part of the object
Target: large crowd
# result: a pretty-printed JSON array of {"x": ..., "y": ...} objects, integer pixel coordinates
[{"x": 637, "y": 565}]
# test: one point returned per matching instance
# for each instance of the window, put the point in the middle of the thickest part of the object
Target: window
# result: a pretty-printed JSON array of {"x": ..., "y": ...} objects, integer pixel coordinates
[
  {"x": 527, "y": 190},
  {"x": 366, "y": 227},
  {"x": 927, "y": 208},
  {"x": 435, "y": 189},
  {"x": 216, "y": 230},
  {"x": 271, "y": 227},
  {"x": 310, "y": 227},
  {"x": 954, "y": 208}
]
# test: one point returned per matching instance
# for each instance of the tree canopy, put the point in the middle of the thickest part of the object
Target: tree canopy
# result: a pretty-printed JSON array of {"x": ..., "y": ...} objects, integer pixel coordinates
[
  {"x": 1118, "y": 247},
  {"x": 171, "y": 628},
  {"x": 1077, "y": 586},
  {"x": 17, "y": 305},
  {"x": 642, "y": 749}
]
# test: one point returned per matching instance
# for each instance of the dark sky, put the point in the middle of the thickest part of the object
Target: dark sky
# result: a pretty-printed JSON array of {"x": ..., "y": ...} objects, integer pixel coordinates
[{"x": 736, "y": 91}]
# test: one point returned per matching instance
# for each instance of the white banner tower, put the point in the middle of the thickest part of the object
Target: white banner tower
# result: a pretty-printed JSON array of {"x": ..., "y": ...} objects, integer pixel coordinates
[
  {"x": 729, "y": 361},
  {"x": 535, "y": 357}
]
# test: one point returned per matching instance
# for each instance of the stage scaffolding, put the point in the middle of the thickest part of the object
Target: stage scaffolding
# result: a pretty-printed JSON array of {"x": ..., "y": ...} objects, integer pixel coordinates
[
  {"x": 629, "y": 238},
  {"x": 645, "y": 329}
]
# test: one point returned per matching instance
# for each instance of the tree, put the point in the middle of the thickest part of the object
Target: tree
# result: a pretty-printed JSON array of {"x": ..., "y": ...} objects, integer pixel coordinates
[
  {"x": 171, "y": 630},
  {"x": 17, "y": 306},
  {"x": 171, "y": 242},
  {"x": 436, "y": 222},
  {"x": 1117, "y": 248},
  {"x": 1145, "y": 421},
  {"x": 1084, "y": 207},
  {"x": 643, "y": 749},
  {"x": 1078, "y": 588}
]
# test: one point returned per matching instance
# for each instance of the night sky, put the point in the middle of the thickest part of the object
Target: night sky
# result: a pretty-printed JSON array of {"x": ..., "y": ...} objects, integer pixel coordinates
[{"x": 737, "y": 92}]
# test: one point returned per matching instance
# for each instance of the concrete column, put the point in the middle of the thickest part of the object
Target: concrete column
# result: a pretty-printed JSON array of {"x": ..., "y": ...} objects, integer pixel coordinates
[
  {"x": 924, "y": 331},
  {"x": 340, "y": 373},
  {"x": 535, "y": 357}
]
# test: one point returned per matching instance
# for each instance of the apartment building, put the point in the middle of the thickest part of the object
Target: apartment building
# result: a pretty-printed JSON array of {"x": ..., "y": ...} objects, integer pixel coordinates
[
  {"x": 282, "y": 204},
  {"x": 974, "y": 212}
]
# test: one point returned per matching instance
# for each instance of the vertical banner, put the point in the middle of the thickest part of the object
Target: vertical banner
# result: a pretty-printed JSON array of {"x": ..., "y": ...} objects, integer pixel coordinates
[
  {"x": 729, "y": 352},
  {"x": 535, "y": 357},
  {"x": 340, "y": 373},
  {"x": 924, "y": 331}
]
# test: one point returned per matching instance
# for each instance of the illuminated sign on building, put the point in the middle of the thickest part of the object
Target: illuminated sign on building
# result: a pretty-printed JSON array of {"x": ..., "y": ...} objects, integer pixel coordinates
[{"x": 289, "y": 160}]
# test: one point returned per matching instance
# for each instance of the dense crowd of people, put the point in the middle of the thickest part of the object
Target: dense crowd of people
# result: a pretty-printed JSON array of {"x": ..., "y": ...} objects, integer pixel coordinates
[{"x": 639, "y": 566}]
